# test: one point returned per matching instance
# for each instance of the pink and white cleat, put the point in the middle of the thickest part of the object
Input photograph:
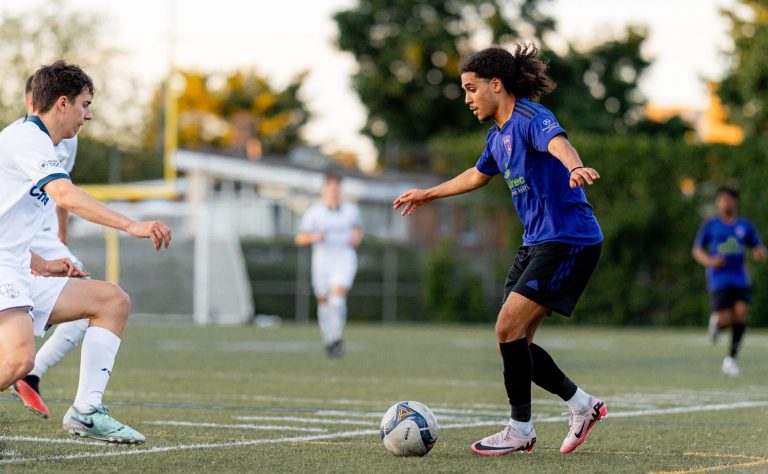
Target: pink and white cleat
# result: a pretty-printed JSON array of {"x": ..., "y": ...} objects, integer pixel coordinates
[
  {"x": 582, "y": 423},
  {"x": 504, "y": 442}
]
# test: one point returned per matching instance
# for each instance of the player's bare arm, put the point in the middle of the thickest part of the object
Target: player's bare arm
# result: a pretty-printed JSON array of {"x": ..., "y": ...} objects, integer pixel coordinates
[
  {"x": 60, "y": 267},
  {"x": 357, "y": 237},
  {"x": 760, "y": 253},
  {"x": 706, "y": 260},
  {"x": 308, "y": 238},
  {"x": 77, "y": 201},
  {"x": 62, "y": 215},
  {"x": 580, "y": 175},
  {"x": 467, "y": 181}
]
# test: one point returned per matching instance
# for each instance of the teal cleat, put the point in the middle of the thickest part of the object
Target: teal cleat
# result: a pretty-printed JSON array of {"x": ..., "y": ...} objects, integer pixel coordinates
[{"x": 99, "y": 425}]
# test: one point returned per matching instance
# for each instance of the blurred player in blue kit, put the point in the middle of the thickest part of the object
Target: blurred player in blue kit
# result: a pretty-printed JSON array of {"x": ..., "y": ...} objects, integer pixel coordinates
[
  {"x": 561, "y": 237},
  {"x": 720, "y": 246}
]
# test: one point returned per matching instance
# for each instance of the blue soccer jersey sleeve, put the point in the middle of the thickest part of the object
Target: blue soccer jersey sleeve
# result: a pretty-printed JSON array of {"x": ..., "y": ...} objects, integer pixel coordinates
[
  {"x": 542, "y": 129},
  {"x": 486, "y": 164}
]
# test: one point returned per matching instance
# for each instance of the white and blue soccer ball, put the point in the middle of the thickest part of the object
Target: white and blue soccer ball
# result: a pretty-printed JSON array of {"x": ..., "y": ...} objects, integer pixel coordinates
[{"x": 409, "y": 429}]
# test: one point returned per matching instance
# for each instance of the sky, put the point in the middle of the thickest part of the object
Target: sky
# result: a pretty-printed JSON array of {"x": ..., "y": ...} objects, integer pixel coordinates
[{"x": 280, "y": 39}]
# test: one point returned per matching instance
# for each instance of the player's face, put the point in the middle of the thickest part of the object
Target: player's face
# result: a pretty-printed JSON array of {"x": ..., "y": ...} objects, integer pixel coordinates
[
  {"x": 726, "y": 204},
  {"x": 331, "y": 192},
  {"x": 76, "y": 113},
  {"x": 479, "y": 96}
]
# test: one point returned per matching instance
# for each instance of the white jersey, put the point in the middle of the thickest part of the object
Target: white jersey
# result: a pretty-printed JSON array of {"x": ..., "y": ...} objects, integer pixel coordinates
[
  {"x": 47, "y": 243},
  {"x": 334, "y": 259},
  {"x": 335, "y": 224},
  {"x": 28, "y": 161}
]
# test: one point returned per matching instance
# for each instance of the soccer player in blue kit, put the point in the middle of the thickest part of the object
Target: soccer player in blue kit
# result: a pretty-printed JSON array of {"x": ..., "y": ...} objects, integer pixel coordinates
[
  {"x": 720, "y": 247},
  {"x": 561, "y": 238}
]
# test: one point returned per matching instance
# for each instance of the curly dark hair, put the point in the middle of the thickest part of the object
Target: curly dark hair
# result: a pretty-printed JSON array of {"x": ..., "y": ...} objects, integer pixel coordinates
[
  {"x": 56, "y": 80},
  {"x": 522, "y": 73}
]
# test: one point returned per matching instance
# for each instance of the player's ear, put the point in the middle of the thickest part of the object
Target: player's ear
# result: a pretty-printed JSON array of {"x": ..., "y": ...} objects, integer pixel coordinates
[
  {"x": 62, "y": 102},
  {"x": 496, "y": 84}
]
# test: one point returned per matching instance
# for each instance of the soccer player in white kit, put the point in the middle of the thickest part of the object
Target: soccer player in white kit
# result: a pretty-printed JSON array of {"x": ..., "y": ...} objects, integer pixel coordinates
[
  {"x": 50, "y": 244},
  {"x": 31, "y": 176},
  {"x": 335, "y": 230}
]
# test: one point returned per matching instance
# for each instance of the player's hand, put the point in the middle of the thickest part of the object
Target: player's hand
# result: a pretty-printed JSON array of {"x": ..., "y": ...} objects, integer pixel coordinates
[
  {"x": 410, "y": 200},
  {"x": 717, "y": 261},
  {"x": 156, "y": 231},
  {"x": 583, "y": 176},
  {"x": 61, "y": 267},
  {"x": 317, "y": 236}
]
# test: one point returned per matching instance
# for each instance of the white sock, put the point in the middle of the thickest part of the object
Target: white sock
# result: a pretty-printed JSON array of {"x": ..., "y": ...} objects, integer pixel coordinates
[
  {"x": 579, "y": 402},
  {"x": 325, "y": 321},
  {"x": 339, "y": 312},
  {"x": 522, "y": 427},
  {"x": 96, "y": 360},
  {"x": 64, "y": 339}
]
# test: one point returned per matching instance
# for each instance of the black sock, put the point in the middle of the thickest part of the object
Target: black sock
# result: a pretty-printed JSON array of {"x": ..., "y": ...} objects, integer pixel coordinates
[
  {"x": 33, "y": 381},
  {"x": 737, "y": 333},
  {"x": 547, "y": 375},
  {"x": 517, "y": 377}
]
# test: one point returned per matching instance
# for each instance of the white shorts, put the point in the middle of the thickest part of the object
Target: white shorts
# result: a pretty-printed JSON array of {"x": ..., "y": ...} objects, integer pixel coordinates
[
  {"x": 19, "y": 289},
  {"x": 333, "y": 269}
]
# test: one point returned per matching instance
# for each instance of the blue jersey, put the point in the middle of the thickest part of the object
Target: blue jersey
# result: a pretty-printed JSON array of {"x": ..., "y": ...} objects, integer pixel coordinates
[
  {"x": 539, "y": 183},
  {"x": 730, "y": 241}
]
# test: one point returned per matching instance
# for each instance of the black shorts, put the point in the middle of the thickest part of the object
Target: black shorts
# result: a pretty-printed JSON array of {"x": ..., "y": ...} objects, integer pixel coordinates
[
  {"x": 552, "y": 274},
  {"x": 727, "y": 297}
]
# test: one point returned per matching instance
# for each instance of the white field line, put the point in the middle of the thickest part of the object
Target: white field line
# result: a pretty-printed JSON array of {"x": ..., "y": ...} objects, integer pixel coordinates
[
  {"x": 350, "y": 434},
  {"x": 336, "y": 418},
  {"x": 321, "y": 421},
  {"x": 36, "y": 439},
  {"x": 237, "y": 426}
]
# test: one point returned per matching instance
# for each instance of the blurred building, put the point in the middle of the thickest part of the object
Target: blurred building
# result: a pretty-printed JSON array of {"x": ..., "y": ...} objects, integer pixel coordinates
[{"x": 266, "y": 198}]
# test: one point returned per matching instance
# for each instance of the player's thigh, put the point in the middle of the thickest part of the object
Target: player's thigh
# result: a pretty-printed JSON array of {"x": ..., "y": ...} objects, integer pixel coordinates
[
  {"x": 16, "y": 333},
  {"x": 518, "y": 316},
  {"x": 88, "y": 299},
  {"x": 739, "y": 311}
]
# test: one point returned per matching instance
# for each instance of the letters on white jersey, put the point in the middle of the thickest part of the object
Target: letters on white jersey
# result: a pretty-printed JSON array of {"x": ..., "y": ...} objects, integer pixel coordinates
[{"x": 28, "y": 161}]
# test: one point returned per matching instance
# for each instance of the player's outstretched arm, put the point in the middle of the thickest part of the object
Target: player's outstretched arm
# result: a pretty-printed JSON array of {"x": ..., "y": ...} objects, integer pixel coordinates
[
  {"x": 561, "y": 148},
  {"x": 469, "y": 180},
  {"x": 77, "y": 201}
]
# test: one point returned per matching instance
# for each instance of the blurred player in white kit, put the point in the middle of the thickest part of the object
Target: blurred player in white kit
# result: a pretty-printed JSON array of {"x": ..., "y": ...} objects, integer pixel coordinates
[{"x": 334, "y": 229}]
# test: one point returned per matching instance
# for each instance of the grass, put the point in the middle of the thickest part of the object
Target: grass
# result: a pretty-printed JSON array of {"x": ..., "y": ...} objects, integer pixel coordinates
[{"x": 248, "y": 399}]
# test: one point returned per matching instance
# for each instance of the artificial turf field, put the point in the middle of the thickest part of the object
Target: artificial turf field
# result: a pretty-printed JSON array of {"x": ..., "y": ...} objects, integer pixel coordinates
[{"x": 249, "y": 399}]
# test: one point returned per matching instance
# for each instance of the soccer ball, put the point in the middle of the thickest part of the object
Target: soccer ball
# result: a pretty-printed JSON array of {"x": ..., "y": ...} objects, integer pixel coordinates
[{"x": 409, "y": 429}]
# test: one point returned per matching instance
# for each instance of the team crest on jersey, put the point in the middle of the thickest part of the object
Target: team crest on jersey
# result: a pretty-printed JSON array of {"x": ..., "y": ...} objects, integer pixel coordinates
[
  {"x": 740, "y": 232},
  {"x": 508, "y": 144},
  {"x": 9, "y": 291}
]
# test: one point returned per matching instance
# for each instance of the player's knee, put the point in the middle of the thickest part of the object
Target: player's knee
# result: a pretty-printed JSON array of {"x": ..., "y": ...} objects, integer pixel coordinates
[
  {"x": 119, "y": 302},
  {"x": 337, "y": 300},
  {"x": 20, "y": 363}
]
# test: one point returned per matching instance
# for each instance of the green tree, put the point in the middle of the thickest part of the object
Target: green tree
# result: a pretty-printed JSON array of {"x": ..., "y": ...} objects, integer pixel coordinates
[
  {"x": 232, "y": 112},
  {"x": 597, "y": 90},
  {"x": 50, "y": 31},
  {"x": 744, "y": 89},
  {"x": 408, "y": 53}
]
